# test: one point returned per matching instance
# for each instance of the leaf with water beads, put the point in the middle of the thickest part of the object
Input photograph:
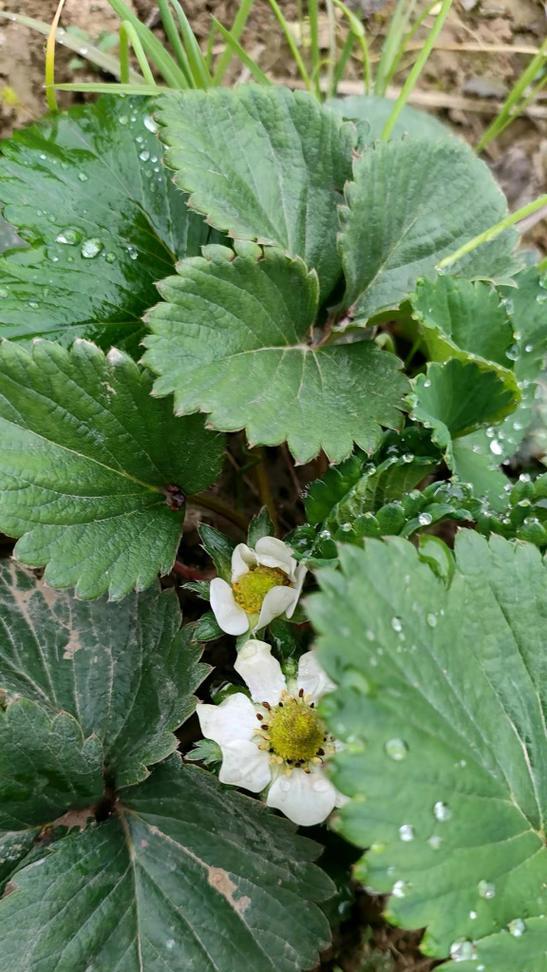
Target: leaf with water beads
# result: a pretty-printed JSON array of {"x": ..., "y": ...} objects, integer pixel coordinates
[{"x": 448, "y": 692}]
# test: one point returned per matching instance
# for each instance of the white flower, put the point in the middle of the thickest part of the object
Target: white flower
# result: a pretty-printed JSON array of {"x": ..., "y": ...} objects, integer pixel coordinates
[
  {"x": 278, "y": 741},
  {"x": 265, "y": 583}
]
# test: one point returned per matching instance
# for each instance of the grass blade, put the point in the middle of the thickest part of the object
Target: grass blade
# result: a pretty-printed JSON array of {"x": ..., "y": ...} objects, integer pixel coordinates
[
  {"x": 173, "y": 35},
  {"x": 196, "y": 61},
  {"x": 236, "y": 31},
  {"x": 493, "y": 231},
  {"x": 128, "y": 35},
  {"x": 516, "y": 100},
  {"x": 241, "y": 53},
  {"x": 162, "y": 60},
  {"x": 358, "y": 30},
  {"x": 50, "y": 59},
  {"x": 302, "y": 70}
]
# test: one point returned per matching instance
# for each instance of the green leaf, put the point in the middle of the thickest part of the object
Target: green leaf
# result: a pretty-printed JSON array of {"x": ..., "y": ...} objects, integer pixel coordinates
[
  {"x": 442, "y": 709},
  {"x": 462, "y": 319},
  {"x": 46, "y": 765},
  {"x": 220, "y": 549},
  {"x": 206, "y": 628},
  {"x": 260, "y": 526},
  {"x": 14, "y": 847},
  {"x": 375, "y": 111},
  {"x": 123, "y": 671},
  {"x": 261, "y": 372},
  {"x": 456, "y": 397},
  {"x": 86, "y": 189},
  {"x": 263, "y": 164},
  {"x": 187, "y": 876},
  {"x": 412, "y": 202},
  {"x": 84, "y": 475}
]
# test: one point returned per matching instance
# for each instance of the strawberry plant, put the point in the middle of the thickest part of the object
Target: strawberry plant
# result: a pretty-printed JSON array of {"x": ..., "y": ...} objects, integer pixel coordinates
[{"x": 216, "y": 293}]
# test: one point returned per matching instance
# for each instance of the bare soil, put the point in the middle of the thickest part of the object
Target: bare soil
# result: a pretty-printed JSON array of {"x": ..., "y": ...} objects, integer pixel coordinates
[{"x": 482, "y": 50}]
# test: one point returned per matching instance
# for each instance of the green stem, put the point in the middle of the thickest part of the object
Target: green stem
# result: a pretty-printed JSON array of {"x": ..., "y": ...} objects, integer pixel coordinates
[
  {"x": 238, "y": 27},
  {"x": 408, "y": 38},
  {"x": 214, "y": 503},
  {"x": 510, "y": 108},
  {"x": 493, "y": 231},
  {"x": 174, "y": 38},
  {"x": 131, "y": 37},
  {"x": 392, "y": 42},
  {"x": 246, "y": 59},
  {"x": 341, "y": 64},
  {"x": 417, "y": 68}
]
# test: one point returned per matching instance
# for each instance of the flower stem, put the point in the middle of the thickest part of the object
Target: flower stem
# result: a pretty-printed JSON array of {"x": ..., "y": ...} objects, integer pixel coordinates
[
  {"x": 214, "y": 503},
  {"x": 264, "y": 489},
  {"x": 493, "y": 231}
]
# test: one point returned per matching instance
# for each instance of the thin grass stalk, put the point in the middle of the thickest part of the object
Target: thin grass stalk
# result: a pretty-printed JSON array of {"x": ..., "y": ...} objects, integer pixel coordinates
[
  {"x": 51, "y": 97},
  {"x": 510, "y": 108},
  {"x": 315, "y": 55},
  {"x": 407, "y": 39},
  {"x": 174, "y": 38},
  {"x": 129, "y": 35},
  {"x": 240, "y": 52},
  {"x": 198, "y": 67},
  {"x": 417, "y": 69},
  {"x": 236, "y": 31},
  {"x": 359, "y": 32},
  {"x": 392, "y": 42},
  {"x": 160, "y": 57},
  {"x": 493, "y": 231},
  {"x": 301, "y": 67}
]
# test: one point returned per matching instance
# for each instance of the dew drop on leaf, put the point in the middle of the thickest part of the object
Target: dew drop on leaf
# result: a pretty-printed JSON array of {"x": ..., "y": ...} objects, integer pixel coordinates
[
  {"x": 441, "y": 811},
  {"x": 435, "y": 841},
  {"x": 150, "y": 124},
  {"x": 91, "y": 248},
  {"x": 463, "y": 951},
  {"x": 432, "y": 620},
  {"x": 3, "y": 292},
  {"x": 144, "y": 155},
  {"x": 487, "y": 890},
  {"x": 517, "y": 927},
  {"x": 399, "y": 889},
  {"x": 82, "y": 177},
  {"x": 69, "y": 237},
  {"x": 396, "y": 624},
  {"x": 496, "y": 447},
  {"x": 406, "y": 832},
  {"x": 396, "y": 749},
  {"x": 425, "y": 519}
]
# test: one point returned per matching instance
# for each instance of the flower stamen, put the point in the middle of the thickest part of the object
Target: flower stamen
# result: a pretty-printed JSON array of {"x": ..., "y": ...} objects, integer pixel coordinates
[{"x": 251, "y": 588}]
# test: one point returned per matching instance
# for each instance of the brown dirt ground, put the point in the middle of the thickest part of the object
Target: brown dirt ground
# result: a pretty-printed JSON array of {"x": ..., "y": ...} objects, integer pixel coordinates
[{"x": 466, "y": 86}]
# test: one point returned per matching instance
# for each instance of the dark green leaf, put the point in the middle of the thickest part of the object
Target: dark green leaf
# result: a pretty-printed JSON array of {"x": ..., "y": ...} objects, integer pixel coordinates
[
  {"x": 188, "y": 876},
  {"x": 122, "y": 671},
  {"x": 220, "y": 549},
  {"x": 264, "y": 164},
  {"x": 85, "y": 478},
  {"x": 87, "y": 190},
  {"x": 441, "y": 702},
  {"x": 260, "y": 526},
  {"x": 262, "y": 371},
  {"x": 412, "y": 202}
]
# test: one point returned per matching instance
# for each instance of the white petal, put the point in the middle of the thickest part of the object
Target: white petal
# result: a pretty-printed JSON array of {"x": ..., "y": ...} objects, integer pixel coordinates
[
  {"x": 230, "y": 616},
  {"x": 234, "y": 719},
  {"x": 305, "y": 798},
  {"x": 244, "y": 764},
  {"x": 276, "y": 602},
  {"x": 261, "y": 671},
  {"x": 312, "y": 678},
  {"x": 274, "y": 553},
  {"x": 242, "y": 559},
  {"x": 299, "y": 576}
]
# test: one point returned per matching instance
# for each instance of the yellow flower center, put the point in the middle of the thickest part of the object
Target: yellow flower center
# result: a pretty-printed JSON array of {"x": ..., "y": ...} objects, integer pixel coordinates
[
  {"x": 251, "y": 588},
  {"x": 296, "y": 733}
]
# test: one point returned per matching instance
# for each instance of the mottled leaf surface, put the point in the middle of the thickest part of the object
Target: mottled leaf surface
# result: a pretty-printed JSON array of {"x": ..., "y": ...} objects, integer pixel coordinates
[
  {"x": 124, "y": 671},
  {"x": 442, "y": 704},
  {"x": 187, "y": 877},
  {"x": 234, "y": 339},
  {"x": 374, "y": 111},
  {"x": 86, "y": 456},
  {"x": 412, "y": 202},
  {"x": 264, "y": 164}
]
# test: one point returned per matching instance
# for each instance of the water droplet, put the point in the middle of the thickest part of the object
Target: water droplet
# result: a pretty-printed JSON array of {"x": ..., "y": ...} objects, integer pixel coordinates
[
  {"x": 69, "y": 236},
  {"x": 441, "y": 811},
  {"x": 91, "y": 248},
  {"x": 133, "y": 252},
  {"x": 43, "y": 156},
  {"x": 144, "y": 155},
  {"x": 396, "y": 749},
  {"x": 4, "y": 292},
  {"x": 396, "y": 624},
  {"x": 407, "y": 457},
  {"x": 33, "y": 304},
  {"x": 369, "y": 634},
  {"x": 123, "y": 119},
  {"x": 487, "y": 890},
  {"x": 399, "y": 889},
  {"x": 346, "y": 527},
  {"x": 473, "y": 915},
  {"x": 83, "y": 51},
  {"x": 435, "y": 841},
  {"x": 170, "y": 943},
  {"x": 150, "y": 124},
  {"x": 463, "y": 951},
  {"x": 496, "y": 447},
  {"x": 427, "y": 383},
  {"x": 325, "y": 535},
  {"x": 82, "y": 177},
  {"x": 110, "y": 258},
  {"x": 517, "y": 927},
  {"x": 432, "y": 620},
  {"x": 425, "y": 519},
  {"x": 406, "y": 832}
]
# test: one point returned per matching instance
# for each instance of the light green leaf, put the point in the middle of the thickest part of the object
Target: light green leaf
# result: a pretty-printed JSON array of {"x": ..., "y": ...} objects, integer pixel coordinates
[
  {"x": 84, "y": 474},
  {"x": 14, "y": 847},
  {"x": 123, "y": 671},
  {"x": 46, "y": 765},
  {"x": 442, "y": 708},
  {"x": 375, "y": 111},
  {"x": 87, "y": 190},
  {"x": 462, "y": 319},
  {"x": 455, "y": 397},
  {"x": 262, "y": 372},
  {"x": 263, "y": 164},
  {"x": 187, "y": 876},
  {"x": 412, "y": 202}
]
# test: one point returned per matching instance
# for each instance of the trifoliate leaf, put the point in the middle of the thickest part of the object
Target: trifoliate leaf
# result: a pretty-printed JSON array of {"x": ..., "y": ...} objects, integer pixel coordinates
[
  {"x": 411, "y": 203},
  {"x": 262, "y": 372},
  {"x": 92, "y": 470},
  {"x": 460, "y": 318},
  {"x": 456, "y": 397},
  {"x": 374, "y": 111},
  {"x": 186, "y": 876},
  {"x": 263, "y": 164},
  {"x": 87, "y": 191},
  {"x": 441, "y": 705},
  {"x": 123, "y": 671},
  {"x": 46, "y": 765}
]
